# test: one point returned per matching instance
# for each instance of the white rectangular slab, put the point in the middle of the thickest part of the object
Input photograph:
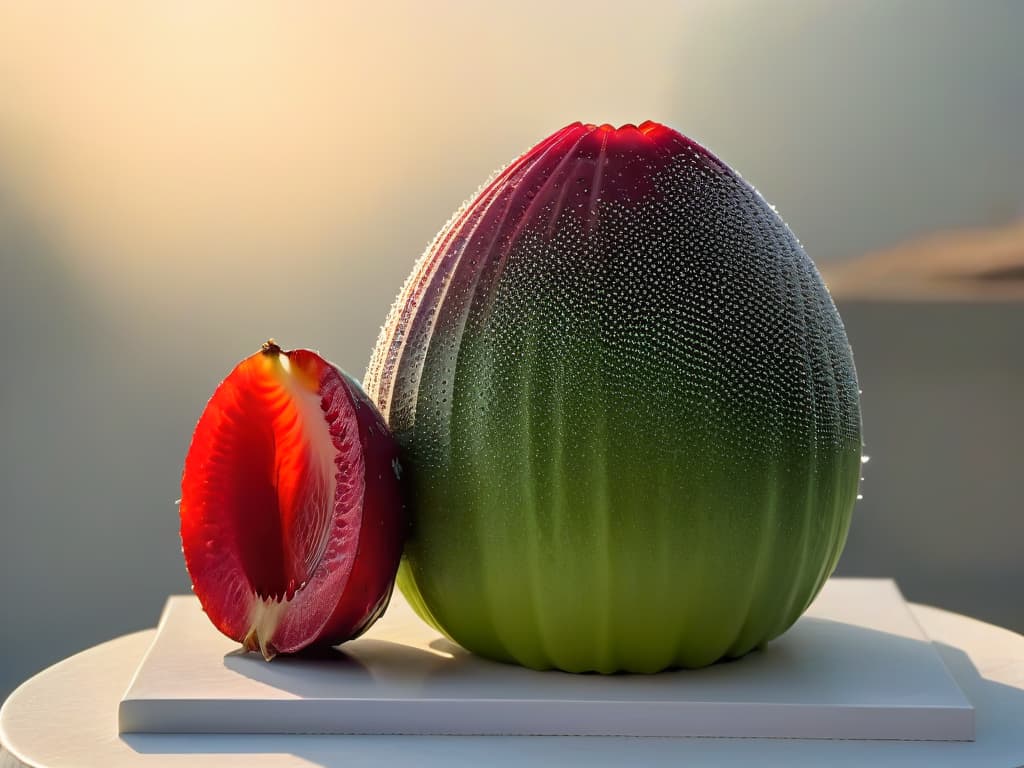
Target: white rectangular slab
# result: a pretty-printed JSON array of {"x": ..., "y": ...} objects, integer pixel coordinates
[{"x": 856, "y": 666}]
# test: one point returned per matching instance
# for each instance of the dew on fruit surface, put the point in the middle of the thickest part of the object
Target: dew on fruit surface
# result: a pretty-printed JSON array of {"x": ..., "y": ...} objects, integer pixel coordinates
[{"x": 669, "y": 317}]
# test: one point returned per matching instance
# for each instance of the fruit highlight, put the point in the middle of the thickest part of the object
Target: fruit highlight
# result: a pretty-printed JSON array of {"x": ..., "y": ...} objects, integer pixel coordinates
[
  {"x": 291, "y": 512},
  {"x": 627, "y": 409}
]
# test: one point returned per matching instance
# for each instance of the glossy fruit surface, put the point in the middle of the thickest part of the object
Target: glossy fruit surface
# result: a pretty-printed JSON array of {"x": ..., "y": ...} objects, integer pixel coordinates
[
  {"x": 627, "y": 407},
  {"x": 291, "y": 513}
]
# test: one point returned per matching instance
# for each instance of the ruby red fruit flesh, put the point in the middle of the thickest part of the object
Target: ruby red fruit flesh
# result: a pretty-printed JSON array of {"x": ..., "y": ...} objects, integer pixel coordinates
[{"x": 291, "y": 509}]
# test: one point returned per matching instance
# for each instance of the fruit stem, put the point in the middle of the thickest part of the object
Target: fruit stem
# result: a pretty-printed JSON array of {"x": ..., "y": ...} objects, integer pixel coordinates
[{"x": 270, "y": 348}]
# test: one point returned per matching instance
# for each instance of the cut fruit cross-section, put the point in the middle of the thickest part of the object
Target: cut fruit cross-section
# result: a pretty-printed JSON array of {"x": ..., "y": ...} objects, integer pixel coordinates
[{"x": 291, "y": 511}]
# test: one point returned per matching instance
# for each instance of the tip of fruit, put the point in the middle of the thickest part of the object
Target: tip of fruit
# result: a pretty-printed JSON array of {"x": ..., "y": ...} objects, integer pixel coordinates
[
  {"x": 265, "y": 615},
  {"x": 253, "y": 642},
  {"x": 270, "y": 347},
  {"x": 646, "y": 139},
  {"x": 584, "y": 165},
  {"x": 646, "y": 127}
]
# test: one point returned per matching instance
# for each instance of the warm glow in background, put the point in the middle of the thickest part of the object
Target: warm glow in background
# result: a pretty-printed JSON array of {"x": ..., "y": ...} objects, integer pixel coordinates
[{"x": 181, "y": 180}]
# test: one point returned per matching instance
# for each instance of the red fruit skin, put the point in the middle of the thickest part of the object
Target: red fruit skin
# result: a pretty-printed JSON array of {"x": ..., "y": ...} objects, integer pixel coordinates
[
  {"x": 372, "y": 578},
  {"x": 246, "y": 519}
]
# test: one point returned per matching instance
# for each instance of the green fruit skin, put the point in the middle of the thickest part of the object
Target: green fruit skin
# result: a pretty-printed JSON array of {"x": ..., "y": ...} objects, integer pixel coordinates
[{"x": 632, "y": 433}]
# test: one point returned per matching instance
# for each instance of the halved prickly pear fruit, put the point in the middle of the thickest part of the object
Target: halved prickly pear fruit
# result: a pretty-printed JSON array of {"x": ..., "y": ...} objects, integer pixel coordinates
[{"x": 291, "y": 511}]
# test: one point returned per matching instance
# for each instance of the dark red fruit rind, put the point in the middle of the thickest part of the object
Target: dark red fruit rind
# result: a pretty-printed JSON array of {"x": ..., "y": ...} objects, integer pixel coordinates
[{"x": 372, "y": 577}]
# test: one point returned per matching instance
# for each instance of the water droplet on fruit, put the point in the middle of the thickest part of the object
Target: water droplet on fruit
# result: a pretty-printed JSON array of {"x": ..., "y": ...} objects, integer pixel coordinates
[{"x": 653, "y": 326}]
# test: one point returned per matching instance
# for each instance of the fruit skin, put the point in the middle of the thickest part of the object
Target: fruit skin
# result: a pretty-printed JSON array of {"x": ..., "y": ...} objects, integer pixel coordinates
[
  {"x": 627, "y": 409},
  {"x": 292, "y": 516}
]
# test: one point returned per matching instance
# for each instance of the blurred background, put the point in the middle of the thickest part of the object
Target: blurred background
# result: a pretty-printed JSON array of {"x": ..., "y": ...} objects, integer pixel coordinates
[{"x": 179, "y": 181}]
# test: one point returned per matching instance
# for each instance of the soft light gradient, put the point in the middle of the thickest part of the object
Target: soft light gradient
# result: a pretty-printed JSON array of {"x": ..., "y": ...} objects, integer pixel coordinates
[{"x": 180, "y": 181}]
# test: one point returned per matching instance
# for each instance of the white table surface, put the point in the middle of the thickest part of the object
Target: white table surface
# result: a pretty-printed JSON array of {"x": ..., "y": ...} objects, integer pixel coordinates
[
  {"x": 855, "y": 666},
  {"x": 67, "y": 716}
]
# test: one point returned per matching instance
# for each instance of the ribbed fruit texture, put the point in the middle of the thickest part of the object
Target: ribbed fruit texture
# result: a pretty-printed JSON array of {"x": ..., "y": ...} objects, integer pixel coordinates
[
  {"x": 627, "y": 407},
  {"x": 291, "y": 513}
]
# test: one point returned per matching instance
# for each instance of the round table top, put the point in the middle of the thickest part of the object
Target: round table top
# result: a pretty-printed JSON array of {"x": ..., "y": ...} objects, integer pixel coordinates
[{"x": 67, "y": 716}]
